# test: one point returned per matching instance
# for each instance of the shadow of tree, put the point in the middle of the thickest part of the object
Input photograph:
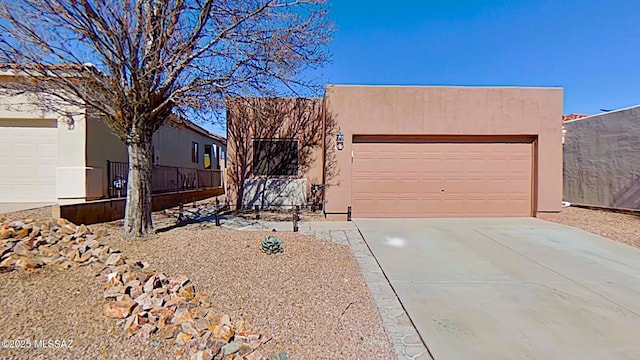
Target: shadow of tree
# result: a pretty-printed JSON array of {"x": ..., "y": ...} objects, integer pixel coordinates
[
  {"x": 629, "y": 196},
  {"x": 304, "y": 121},
  {"x": 187, "y": 217}
]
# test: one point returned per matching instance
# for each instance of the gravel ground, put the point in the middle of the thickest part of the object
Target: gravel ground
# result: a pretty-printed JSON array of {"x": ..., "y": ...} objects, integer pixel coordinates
[
  {"x": 52, "y": 304},
  {"x": 624, "y": 228},
  {"x": 312, "y": 299},
  {"x": 279, "y": 215},
  {"x": 37, "y": 213}
]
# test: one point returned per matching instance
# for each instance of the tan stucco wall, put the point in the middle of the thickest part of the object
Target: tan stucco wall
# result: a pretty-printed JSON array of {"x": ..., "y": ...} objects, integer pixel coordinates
[
  {"x": 602, "y": 160},
  {"x": 113, "y": 209},
  {"x": 409, "y": 110},
  {"x": 287, "y": 118}
]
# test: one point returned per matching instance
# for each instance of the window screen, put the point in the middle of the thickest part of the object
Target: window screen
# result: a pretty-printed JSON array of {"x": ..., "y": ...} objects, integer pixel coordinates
[{"x": 275, "y": 157}]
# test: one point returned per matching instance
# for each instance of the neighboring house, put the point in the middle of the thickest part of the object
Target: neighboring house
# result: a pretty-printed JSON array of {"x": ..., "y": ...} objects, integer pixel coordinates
[
  {"x": 49, "y": 156},
  {"x": 185, "y": 156},
  {"x": 602, "y": 159},
  {"x": 400, "y": 151}
]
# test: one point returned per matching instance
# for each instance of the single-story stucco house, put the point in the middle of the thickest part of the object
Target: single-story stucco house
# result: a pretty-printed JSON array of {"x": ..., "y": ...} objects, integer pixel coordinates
[
  {"x": 400, "y": 151},
  {"x": 50, "y": 157},
  {"x": 602, "y": 160}
]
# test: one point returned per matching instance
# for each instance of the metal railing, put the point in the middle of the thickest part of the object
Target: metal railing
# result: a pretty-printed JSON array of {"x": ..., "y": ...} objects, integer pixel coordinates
[{"x": 164, "y": 179}]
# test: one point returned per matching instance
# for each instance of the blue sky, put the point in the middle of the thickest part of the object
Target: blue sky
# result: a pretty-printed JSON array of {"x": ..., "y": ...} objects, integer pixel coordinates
[{"x": 590, "y": 48}]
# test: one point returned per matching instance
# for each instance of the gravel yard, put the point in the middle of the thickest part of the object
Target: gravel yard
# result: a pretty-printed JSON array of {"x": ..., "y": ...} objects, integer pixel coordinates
[
  {"x": 37, "y": 213},
  {"x": 624, "y": 228},
  {"x": 312, "y": 299},
  {"x": 53, "y": 304}
]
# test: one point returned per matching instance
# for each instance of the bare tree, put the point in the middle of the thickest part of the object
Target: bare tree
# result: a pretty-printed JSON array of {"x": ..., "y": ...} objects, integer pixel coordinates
[{"x": 137, "y": 61}]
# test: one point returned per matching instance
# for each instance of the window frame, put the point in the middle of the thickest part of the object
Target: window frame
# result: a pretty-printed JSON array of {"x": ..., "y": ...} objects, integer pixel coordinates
[
  {"x": 195, "y": 152},
  {"x": 217, "y": 156},
  {"x": 271, "y": 140},
  {"x": 211, "y": 158}
]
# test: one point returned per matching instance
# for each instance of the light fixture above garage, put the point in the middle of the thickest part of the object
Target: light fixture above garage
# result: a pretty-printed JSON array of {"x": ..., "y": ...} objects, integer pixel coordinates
[
  {"x": 340, "y": 140},
  {"x": 71, "y": 124}
]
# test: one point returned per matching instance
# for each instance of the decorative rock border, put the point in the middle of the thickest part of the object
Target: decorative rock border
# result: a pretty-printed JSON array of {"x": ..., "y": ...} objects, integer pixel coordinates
[{"x": 150, "y": 305}]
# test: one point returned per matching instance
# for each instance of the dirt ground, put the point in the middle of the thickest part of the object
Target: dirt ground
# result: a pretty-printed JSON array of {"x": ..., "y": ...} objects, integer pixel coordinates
[{"x": 620, "y": 227}]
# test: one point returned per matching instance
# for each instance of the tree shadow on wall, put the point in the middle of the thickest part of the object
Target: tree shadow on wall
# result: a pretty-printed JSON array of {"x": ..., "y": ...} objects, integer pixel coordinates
[{"x": 277, "y": 138}]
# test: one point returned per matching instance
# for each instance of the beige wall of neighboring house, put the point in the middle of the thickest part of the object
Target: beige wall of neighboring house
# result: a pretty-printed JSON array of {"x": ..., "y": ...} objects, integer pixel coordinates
[
  {"x": 102, "y": 146},
  {"x": 49, "y": 156},
  {"x": 42, "y": 153},
  {"x": 425, "y": 151},
  {"x": 172, "y": 146}
]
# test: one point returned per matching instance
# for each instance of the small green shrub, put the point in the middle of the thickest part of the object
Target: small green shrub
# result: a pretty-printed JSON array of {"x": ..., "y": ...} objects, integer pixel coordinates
[{"x": 271, "y": 245}]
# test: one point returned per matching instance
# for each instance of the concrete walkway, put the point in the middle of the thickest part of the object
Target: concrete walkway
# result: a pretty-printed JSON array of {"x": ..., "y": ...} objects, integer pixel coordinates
[{"x": 511, "y": 288}]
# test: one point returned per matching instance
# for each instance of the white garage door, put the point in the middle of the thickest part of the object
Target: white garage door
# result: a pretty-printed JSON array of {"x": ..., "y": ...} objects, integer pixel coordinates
[{"x": 28, "y": 160}]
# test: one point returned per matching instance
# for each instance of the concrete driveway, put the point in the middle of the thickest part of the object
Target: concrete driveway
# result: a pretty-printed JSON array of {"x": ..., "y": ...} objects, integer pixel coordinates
[{"x": 511, "y": 288}]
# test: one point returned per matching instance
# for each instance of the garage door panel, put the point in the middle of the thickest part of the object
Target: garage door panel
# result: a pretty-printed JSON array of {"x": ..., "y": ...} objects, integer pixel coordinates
[
  {"x": 44, "y": 172},
  {"x": 470, "y": 206},
  {"x": 406, "y": 208},
  {"x": 28, "y": 154},
  {"x": 402, "y": 180},
  {"x": 47, "y": 150}
]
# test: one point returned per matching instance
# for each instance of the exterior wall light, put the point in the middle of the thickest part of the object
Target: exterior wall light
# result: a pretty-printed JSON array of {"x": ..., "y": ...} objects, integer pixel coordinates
[
  {"x": 70, "y": 122},
  {"x": 340, "y": 140}
]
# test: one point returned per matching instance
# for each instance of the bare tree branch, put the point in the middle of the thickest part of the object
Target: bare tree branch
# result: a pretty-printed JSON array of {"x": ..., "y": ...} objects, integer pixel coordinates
[{"x": 137, "y": 61}]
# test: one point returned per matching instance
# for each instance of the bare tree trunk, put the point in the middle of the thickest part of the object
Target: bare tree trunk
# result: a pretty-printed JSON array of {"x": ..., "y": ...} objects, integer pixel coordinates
[{"x": 137, "y": 221}]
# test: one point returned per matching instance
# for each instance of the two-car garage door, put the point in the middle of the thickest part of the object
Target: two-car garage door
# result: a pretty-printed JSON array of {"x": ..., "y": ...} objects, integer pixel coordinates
[{"x": 442, "y": 179}]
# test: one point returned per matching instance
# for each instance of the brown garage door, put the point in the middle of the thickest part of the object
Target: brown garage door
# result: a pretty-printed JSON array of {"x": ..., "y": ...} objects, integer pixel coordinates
[{"x": 442, "y": 179}]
